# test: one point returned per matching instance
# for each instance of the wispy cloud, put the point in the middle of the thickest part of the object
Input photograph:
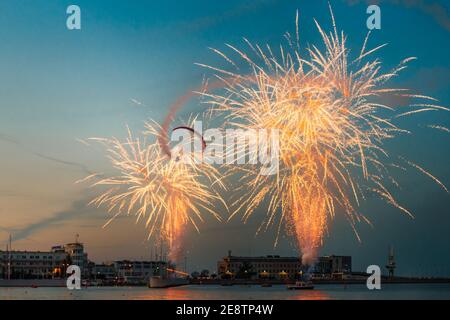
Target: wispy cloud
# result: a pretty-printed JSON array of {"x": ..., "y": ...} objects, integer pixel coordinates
[
  {"x": 11, "y": 193},
  {"x": 2, "y": 229},
  {"x": 12, "y": 140},
  {"x": 9, "y": 139},
  {"x": 77, "y": 210},
  {"x": 80, "y": 166}
]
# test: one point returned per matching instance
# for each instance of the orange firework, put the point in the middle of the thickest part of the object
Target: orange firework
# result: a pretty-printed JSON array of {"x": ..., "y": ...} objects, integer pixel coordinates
[
  {"x": 167, "y": 192},
  {"x": 331, "y": 129}
]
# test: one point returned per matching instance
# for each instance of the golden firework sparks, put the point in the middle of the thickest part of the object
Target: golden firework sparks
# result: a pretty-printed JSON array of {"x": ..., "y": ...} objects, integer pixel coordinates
[
  {"x": 331, "y": 127},
  {"x": 167, "y": 192}
]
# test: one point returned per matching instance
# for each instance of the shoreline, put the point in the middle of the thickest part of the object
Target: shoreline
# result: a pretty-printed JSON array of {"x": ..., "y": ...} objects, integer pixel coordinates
[
  {"x": 61, "y": 283},
  {"x": 321, "y": 281}
]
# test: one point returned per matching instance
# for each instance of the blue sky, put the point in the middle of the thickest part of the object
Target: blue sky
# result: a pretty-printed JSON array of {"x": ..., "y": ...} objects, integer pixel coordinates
[{"x": 58, "y": 85}]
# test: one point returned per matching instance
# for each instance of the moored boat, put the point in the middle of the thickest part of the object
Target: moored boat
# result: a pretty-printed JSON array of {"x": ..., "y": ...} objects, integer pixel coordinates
[
  {"x": 167, "y": 282},
  {"x": 301, "y": 285}
]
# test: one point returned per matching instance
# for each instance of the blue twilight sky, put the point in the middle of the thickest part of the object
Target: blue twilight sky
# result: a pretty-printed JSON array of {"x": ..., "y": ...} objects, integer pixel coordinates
[{"x": 57, "y": 86}]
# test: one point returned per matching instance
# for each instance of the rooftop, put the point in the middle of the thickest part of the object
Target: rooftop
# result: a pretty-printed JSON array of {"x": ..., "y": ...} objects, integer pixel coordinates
[{"x": 263, "y": 258}]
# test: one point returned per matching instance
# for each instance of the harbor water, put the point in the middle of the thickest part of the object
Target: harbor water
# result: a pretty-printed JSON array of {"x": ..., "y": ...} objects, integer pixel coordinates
[{"x": 216, "y": 292}]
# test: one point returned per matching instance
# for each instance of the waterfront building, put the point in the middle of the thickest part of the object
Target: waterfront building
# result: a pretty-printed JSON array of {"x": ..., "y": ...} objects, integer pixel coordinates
[
  {"x": 77, "y": 256},
  {"x": 271, "y": 267},
  {"x": 126, "y": 271},
  {"x": 32, "y": 264},
  {"x": 105, "y": 272},
  {"x": 137, "y": 272},
  {"x": 45, "y": 264},
  {"x": 276, "y": 267},
  {"x": 329, "y": 265}
]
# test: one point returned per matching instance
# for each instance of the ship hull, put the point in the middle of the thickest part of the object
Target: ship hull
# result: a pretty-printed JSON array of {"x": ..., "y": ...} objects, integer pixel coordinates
[{"x": 158, "y": 282}]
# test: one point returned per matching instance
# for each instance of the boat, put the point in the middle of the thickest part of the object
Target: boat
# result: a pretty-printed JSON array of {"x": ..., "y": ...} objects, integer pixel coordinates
[
  {"x": 266, "y": 285},
  {"x": 226, "y": 284},
  {"x": 167, "y": 282},
  {"x": 168, "y": 276},
  {"x": 301, "y": 285},
  {"x": 34, "y": 286}
]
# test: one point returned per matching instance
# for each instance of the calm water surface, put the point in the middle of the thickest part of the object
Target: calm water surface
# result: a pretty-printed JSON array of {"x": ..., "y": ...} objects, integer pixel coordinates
[{"x": 397, "y": 291}]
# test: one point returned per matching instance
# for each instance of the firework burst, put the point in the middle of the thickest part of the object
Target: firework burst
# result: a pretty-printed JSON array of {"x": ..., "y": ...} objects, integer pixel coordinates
[
  {"x": 332, "y": 124},
  {"x": 168, "y": 193}
]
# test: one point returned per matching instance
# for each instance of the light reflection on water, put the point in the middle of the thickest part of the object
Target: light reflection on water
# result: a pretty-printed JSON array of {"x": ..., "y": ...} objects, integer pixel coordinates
[
  {"x": 230, "y": 293},
  {"x": 322, "y": 292}
]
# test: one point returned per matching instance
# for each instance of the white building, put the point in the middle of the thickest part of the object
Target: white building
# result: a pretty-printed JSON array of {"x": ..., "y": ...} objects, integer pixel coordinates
[
  {"x": 77, "y": 256},
  {"x": 105, "y": 272},
  {"x": 47, "y": 264},
  {"x": 138, "y": 272},
  {"x": 32, "y": 264}
]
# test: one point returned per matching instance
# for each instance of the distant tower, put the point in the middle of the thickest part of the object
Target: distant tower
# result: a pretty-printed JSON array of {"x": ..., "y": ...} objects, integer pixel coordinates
[
  {"x": 391, "y": 263},
  {"x": 9, "y": 257}
]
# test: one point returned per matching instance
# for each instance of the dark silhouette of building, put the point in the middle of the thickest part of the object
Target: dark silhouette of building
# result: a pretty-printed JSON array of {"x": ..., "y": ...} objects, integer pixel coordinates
[
  {"x": 328, "y": 265},
  {"x": 259, "y": 267}
]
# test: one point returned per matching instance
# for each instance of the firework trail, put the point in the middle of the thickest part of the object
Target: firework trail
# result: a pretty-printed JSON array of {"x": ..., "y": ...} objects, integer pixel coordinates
[
  {"x": 331, "y": 124},
  {"x": 168, "y": 193},
  {"x": 441, "y": 128}
]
